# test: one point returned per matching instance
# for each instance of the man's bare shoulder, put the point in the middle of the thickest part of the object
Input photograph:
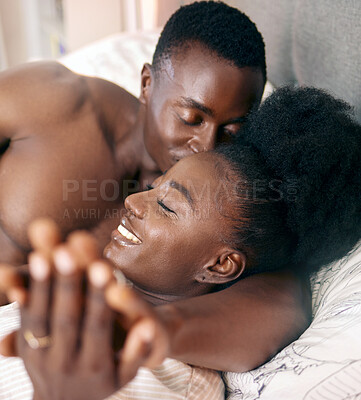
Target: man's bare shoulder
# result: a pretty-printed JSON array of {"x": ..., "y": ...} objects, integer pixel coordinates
[
  {"x": 33, "y": 92},
  {"x": 31, "y": 77},
  {"x": 48, "y": 91},
  {"x": 38, "y": 69}
]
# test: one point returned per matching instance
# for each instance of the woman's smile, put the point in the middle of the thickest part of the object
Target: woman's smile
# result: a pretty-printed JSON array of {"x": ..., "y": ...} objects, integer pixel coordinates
[{"x": 124, "y": 236}]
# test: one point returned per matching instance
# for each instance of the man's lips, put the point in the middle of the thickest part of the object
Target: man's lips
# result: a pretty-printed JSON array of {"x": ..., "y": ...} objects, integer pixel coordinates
[{"x": 124, "y": 235}]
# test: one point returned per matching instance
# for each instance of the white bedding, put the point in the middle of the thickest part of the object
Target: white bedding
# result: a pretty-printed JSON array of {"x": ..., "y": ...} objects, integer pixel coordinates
[
  {"x": 118, "y": 58},
  {"x": 325, "y": 362}
]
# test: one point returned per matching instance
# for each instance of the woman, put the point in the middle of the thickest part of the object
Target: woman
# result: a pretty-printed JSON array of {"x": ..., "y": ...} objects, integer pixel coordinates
[{"x": 285, "y": 194}]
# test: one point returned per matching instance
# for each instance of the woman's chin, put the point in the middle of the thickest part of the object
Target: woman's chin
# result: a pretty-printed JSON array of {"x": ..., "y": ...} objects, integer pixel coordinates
[
  {"x": 111, "y": 253},
  {"x": 107, "y": 251}
]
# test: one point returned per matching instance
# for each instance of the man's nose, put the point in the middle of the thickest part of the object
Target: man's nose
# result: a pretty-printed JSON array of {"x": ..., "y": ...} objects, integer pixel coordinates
[
  {"x": 205, "y": 141},
  {"x": 136, "y": 204}
]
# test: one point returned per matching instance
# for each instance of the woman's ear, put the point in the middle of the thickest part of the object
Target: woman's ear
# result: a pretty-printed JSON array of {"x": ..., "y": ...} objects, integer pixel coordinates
[
  {"x": 146, "y": 80},
  {"x": 226, "y": 269}
]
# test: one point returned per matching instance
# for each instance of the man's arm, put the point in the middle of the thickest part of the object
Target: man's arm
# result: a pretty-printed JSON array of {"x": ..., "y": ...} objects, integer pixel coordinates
[
  {"x": 236, "y": 329},
  {"x": 241, "y": 327}
]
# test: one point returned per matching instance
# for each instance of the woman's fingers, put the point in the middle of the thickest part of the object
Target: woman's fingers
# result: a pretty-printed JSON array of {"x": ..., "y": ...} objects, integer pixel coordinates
[
  {"x": 8, "y": 346},
  {"x": 35, "y": 314},
  {"x": 44, "y": 235},
  {"x": 66, "y": 309},
  {"x": 98, "y": 321},
  {"x": 12, "y": 284},
  {"x": 84, "y": 248},
  {"x": 145, "y": 346},
  {"x": 147, "y": 342},
  {"x": 9, "y": 277},
  {"x": 160, "y": 344},
  {"x": 124, "y": 300},
  {"x": 136, "y": 350}
]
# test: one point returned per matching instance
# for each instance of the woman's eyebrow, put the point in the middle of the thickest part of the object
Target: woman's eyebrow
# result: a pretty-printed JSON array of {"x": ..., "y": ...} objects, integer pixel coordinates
[
  {"x": 184, "y": 191},
  {"x": 191, "y": 103}
]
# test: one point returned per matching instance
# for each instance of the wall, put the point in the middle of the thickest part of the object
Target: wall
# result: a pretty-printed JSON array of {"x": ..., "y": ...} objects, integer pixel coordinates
[
  {"x": 35, "y": 29},
  {"x": 89, "y": 20},
  {"x": 13, "y": 31}
]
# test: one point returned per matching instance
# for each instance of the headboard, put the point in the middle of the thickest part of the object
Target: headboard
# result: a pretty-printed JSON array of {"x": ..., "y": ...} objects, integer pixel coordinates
[{"x": 312, "y": 42}]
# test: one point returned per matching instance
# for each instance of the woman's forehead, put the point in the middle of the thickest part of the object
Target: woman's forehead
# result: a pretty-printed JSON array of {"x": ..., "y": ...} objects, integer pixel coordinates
[{"x": 203, "y": 176}]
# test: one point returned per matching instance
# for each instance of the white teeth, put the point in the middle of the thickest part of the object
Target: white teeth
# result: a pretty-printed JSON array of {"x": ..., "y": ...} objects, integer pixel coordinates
[{"x": 124, "y": 232}]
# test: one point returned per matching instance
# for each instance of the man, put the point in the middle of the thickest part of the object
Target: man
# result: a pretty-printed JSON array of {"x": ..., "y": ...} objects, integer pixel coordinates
[
  {"x": 66, "y": 139},
  {"x": 71, "y": 144}
]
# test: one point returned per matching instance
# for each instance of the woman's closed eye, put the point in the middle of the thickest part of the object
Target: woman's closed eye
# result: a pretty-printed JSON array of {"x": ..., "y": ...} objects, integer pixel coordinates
[{"x": 165, "y": 209}]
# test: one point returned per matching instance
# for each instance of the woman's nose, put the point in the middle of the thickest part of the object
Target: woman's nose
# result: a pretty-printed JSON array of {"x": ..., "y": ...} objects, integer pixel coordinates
[{"x": 136, "y": 204}]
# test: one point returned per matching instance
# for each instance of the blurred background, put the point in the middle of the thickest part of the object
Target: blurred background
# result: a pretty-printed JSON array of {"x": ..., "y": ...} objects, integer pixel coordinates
[{"x": 42, "y": 29}]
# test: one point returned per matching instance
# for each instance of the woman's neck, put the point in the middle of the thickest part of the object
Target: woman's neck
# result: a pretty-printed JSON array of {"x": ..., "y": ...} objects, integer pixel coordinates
[{"x": 156, "y": 299}]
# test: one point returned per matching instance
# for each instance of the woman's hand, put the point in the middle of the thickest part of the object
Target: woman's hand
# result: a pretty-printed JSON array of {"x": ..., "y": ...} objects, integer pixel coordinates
[
  {"x": 67, "y": 335},
  {"x": 148, "y": 335},
  {"x": 65, "y": 339}
]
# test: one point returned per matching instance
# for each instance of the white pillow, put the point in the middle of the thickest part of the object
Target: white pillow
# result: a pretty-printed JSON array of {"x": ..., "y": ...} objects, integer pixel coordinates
[
  {"x": 325, "y": 362},
  {"x": 118, "y": 58}
]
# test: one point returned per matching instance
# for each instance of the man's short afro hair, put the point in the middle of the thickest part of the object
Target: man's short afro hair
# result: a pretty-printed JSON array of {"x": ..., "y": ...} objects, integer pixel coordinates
[{"x": 221, "y": 28}]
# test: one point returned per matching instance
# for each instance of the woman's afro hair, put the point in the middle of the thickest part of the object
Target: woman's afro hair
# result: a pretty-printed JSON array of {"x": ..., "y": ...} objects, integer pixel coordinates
[{"x": 306, "y": 136}]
